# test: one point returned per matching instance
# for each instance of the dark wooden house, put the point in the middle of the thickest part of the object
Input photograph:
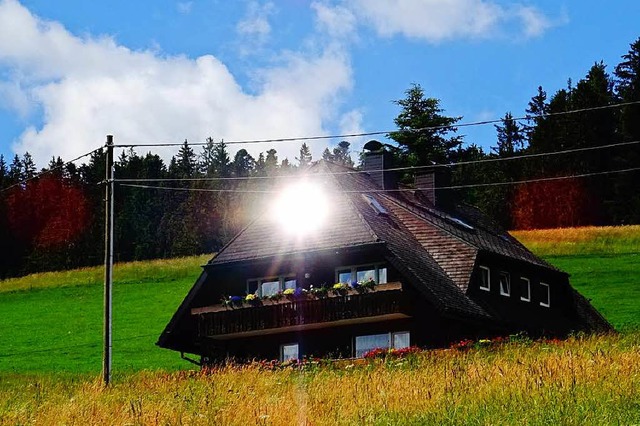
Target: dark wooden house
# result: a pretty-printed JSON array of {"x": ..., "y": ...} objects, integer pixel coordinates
[{"x": 443, "y": 272}]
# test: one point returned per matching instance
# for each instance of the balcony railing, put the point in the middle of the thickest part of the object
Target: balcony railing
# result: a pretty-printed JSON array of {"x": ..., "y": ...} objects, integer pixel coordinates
[{"x": 385, "y": 302}]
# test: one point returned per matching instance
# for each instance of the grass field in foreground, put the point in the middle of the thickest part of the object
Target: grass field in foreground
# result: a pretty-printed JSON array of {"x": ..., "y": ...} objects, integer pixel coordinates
[
  {"x": 582, "y": 381},
  {"x": 53, "y": 322}
]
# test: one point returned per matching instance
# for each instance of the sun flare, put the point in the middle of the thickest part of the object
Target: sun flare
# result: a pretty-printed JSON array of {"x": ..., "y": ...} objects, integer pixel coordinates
[{"x": 301, "y": 208}]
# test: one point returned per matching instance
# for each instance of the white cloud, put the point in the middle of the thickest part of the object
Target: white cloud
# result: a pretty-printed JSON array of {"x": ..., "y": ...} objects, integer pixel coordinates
[
  {"x": 255, "y": 28},
  {"x": 184, "y": 7},
  {"x": 338, "y": 21},
  {"x": 90, "y": 87},
  {"x": 439, "y": 20}
]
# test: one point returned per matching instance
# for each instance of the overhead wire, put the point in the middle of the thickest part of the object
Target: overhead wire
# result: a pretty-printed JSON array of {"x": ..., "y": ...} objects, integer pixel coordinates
[
  {"x": 380, "y": 132},
  {"x": 475, "y": 185},
  {"x": 391, "y": 169}
]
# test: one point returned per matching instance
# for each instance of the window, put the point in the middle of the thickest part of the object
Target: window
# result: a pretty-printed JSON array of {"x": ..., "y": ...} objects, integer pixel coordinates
[
  {"x": 375, "y": 205},
  {"x": 348, "y": 274},
  {"x": 525, "y": 289},
  {"x": 270, "y": 286},
  {"x": 397, "y": 340},
  {"x": 485, "y": 278},
  {"x": 505, "y": 284},
  {"x": 288, "y": 351},
  {"x": 545, "y": 294}
]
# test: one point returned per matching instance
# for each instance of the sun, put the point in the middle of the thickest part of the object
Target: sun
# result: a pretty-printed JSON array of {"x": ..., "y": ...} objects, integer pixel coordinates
[{"x": 301, "y": 208}]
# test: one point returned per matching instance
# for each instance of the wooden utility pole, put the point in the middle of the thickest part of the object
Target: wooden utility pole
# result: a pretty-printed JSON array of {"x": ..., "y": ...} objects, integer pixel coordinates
[{"x": 108, "y": 261}]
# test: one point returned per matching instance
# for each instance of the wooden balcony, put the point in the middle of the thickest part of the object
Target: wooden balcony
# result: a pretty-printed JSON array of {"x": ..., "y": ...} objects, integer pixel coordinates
[{"x": 384, "y": 303}]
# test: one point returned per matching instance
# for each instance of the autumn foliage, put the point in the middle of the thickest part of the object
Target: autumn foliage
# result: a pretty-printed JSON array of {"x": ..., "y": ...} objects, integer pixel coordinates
[{"x": 47, "y": 212}]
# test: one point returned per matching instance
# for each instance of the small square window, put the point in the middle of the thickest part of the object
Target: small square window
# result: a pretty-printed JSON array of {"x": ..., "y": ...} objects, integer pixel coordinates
[
  {"x": 344, "y": 276},
  {"x": 289, "y": 283},
  {"x": 545, "y": 295},
  {"x": 366, "y": 343},
  {"x": 269, "y": 288},
  {"x": 525, "y": 289},
  {"x": 289, "y": 352},
  {"x": 505, "y": 284},
  {"x": 401, "y": 340},
  {"x": 485, "y": 278},
  {"x": 366, "y": 274}
]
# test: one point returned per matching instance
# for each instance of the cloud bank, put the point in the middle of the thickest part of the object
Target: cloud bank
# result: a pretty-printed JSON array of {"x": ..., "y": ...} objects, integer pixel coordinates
[{"x": 88, "y": 87}]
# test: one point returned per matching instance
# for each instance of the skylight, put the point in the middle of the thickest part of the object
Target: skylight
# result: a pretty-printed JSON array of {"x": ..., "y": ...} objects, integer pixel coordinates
[{"x": 375, "y": 205}]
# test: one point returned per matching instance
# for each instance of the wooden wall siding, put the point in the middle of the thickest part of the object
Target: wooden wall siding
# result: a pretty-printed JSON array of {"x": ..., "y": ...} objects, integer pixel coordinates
[
  {"x": 455, "y": 257},
  {"x": 300, "y": 313}
]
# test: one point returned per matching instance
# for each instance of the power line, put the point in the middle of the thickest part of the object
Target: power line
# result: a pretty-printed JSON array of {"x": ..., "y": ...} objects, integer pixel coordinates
[
  {"x": 381, "y": 132},
  {"x": 47, "y": 171},
  {"x": 408, "y": 168},
  {"x": 476, "y": 185}
]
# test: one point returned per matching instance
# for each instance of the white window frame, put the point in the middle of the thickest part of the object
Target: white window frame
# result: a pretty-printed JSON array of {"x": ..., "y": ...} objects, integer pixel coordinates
[
  {"x": 282, "y": 347},
  {"x": 488, "y": 287},
  {"x": 506, "y": 275},
  {"x": 546, "y": 303},
  {"x": 280, "y": 278},
  {"x": 390, "y": 338},
  {"x": 354, "y": 271},
  {"x": 522, "y": 297}
]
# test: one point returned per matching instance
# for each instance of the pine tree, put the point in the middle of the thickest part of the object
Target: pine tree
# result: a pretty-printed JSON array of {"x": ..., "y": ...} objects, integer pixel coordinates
[
  {"x": 243, "y": 163},
  {"x": 4, "y": 172},
  {"x": 627, "y": 85},
  {"x": 271, "y": 161},
  {"x": 424, "y": 134},
  {"x": 305, "y": 156},
  {"x": 510, "y": 137},
  {"x": 28, "y": 166},
  {"x": 186, "y": 161},
  {"x": 16, "y": 170}
]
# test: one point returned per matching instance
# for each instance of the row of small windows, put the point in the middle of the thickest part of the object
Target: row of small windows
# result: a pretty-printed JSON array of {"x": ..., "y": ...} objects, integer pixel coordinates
[
  {"x": 362, "y": 344},
  {"x": 345, "y": 274},
  {"x": 504, "y": 281}
]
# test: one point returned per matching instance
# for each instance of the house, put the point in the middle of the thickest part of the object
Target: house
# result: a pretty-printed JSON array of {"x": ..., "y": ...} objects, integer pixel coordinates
[{"x": 437, "y": 271}]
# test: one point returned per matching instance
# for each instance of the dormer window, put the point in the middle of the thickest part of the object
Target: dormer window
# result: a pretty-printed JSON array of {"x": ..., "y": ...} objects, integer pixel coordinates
[{"x": 485, "y": 278}]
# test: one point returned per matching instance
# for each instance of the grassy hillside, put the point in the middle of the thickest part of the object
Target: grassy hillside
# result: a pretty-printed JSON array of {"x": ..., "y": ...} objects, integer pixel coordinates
[
  {"x": 589, "y": 381},
  {"x": 604, "y": 264},
  {"x": 53, "y": 321}
]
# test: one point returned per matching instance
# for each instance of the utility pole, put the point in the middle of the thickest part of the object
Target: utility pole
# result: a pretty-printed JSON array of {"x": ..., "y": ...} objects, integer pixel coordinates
[{"x": 108, "y": 261}]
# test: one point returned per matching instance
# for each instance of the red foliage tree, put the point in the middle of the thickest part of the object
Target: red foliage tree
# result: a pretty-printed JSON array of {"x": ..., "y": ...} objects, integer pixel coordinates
[
  {"x": 554, "y": 204},
  {"x": 47, "y": 212}
]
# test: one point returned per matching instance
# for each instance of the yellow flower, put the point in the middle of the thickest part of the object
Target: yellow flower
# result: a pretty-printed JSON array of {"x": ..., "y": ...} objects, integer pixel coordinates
[
  {"x": 288, "y": 291},
  {"x": 250, "y": 297}
]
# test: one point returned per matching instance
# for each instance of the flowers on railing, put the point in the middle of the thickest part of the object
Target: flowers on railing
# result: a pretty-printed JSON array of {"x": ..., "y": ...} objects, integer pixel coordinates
[{"x": 338, "y": 289}]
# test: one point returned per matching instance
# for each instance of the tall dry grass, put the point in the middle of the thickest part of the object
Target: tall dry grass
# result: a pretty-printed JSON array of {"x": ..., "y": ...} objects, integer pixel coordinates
[
  {"x": 591, "y": 380},
  {"x": 582, "y": 241}
]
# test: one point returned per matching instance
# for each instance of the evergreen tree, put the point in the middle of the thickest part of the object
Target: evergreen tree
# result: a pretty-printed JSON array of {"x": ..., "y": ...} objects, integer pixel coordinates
[
  {"x": 4, "y": 172},
  {"x": 305, "y": 156},
  {"x": 243, "y": 163},
  {"x": 424, "y": 135},
  {"x": 271, "y": 161},
  {"x": 510, "y": 137},
  {"x": 340, "y": 154},
  {"x": 16, "y": 173},
  {"x": 186, "y": 163},
  {"x": 627, "y": 85},
  {"x": 28, "y": 166}
]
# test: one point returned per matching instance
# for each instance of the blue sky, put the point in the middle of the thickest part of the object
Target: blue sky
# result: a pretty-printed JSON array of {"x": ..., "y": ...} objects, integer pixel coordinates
[{"x": 162, "y": 71}]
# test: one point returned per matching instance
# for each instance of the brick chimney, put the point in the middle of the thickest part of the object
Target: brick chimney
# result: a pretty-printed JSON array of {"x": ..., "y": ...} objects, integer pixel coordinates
[
  {"x": 429, "y": 179},
  {"x": 376, "y": 163}
]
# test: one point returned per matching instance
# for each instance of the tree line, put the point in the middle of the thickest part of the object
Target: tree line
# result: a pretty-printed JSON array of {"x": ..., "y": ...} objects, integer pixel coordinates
[{"x": 56, "y": 221}]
